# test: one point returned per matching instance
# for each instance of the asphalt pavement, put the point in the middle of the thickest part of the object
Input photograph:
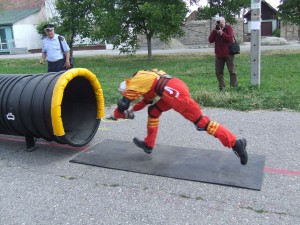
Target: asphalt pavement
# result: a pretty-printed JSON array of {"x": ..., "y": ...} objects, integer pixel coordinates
[{"x": 43, "y": 188}]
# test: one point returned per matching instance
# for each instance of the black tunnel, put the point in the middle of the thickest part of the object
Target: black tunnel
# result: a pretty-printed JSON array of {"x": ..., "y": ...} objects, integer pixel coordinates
[{"x": 65, "y": 107}]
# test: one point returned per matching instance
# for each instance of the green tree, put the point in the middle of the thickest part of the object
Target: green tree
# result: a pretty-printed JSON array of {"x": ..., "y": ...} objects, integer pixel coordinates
[
  {"x": 226, "y": 8},
  {"x": 121, "y": 21},
  {"x": 289, "y": 11},
  {"x": 74, "y": 18}
]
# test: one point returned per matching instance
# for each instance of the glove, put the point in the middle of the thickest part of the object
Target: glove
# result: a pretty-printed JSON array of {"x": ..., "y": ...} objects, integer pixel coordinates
[
  {"x": 128, "y": 114},
  {"x": 112, "y": 117}
]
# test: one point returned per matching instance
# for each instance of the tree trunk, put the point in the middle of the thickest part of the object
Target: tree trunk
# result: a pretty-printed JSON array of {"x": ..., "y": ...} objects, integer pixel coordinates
[
  {"x": 149, "y": 47},
  {"x": 71, "y": 48},
  {"x": 71, "y": 43}
]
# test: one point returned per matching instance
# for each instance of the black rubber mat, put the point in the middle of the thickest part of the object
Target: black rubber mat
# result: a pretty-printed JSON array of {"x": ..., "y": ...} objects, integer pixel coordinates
[{"x": 209, "y": 166}]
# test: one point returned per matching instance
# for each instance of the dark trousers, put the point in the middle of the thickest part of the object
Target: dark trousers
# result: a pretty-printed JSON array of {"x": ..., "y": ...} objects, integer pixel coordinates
[
  {"x": 220, "y": 63},
  {"x": 56, "y": 66}
]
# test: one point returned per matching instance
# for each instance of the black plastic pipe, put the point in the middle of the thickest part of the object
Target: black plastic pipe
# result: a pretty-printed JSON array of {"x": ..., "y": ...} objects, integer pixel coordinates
[{"x": 65, "y": 107}]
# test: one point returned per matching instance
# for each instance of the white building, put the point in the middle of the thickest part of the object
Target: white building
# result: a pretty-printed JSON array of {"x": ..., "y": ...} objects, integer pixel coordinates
[{"x": 18, "y": 22}]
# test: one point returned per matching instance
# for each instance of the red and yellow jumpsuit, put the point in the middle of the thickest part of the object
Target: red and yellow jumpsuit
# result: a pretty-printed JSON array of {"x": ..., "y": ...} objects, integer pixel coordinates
[{"x": 174, "y": 94}]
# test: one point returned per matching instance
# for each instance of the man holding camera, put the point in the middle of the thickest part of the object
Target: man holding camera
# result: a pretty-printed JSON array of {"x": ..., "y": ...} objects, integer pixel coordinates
[{"x": 222, "y": 36}]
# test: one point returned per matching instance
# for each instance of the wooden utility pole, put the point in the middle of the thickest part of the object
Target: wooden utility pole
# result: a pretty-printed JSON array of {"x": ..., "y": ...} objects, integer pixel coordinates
[{"x": 255, "y": 41}]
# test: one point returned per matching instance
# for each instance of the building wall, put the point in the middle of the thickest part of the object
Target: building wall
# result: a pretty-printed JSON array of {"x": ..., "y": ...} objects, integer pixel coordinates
[
  {"x": 196, "y": 35},
  {"x": 29, "y": 39},
  {"x": 247, "y": 26},
  {"x": 289, "y": 32},
  {"x": 21, "y": 4},
  {"x": 47, "y": 5}
]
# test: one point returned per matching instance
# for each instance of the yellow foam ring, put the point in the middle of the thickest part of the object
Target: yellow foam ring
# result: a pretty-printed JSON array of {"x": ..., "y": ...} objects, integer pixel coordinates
[{"x": 58, "y": 92}]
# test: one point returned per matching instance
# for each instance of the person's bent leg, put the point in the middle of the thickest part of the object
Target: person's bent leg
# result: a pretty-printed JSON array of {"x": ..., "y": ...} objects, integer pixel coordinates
[
  {"x": 227, "y": 138},
  {"x": 203, "y": 123},
  {"x": 149, "y": 141},
  {"x": 191, "y": 110},
  {"x": 154, "y": 112},
  {"x": 217, "y": 130}
]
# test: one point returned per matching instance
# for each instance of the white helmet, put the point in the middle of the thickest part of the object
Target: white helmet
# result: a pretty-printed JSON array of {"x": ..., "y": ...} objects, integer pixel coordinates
[{"x": 122, "y": 87}]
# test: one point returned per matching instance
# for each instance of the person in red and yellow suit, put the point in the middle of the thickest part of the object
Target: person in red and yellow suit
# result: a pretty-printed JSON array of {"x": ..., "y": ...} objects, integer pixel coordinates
[{"x": 173, "y": 94}]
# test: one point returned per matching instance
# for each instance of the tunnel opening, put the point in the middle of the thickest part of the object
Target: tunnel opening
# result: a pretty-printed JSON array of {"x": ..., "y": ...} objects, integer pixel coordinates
[{"x": 79, "y": 110}]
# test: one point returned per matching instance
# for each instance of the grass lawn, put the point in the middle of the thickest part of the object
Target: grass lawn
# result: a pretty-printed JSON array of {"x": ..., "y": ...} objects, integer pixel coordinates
[{"x": 279, "y": 84}]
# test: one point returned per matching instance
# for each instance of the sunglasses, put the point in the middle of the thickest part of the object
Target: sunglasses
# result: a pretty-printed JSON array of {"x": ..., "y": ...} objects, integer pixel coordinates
[{"x": 49, "y": 30}]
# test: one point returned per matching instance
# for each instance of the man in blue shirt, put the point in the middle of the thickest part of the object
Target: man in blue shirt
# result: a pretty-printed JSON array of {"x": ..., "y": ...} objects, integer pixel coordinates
[{"x": 58, "y": 58}]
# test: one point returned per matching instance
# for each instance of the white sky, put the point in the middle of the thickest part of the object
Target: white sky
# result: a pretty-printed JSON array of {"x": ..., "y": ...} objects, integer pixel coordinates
[{"x": 273, "y": 3}]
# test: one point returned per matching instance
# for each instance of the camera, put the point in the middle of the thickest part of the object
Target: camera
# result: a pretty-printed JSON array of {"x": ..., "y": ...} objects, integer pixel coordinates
[{"x": 218, "y": 27}]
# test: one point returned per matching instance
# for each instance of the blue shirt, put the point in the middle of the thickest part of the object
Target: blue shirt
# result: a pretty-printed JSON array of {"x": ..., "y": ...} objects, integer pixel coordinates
[{"x": 52, "y": 48}]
